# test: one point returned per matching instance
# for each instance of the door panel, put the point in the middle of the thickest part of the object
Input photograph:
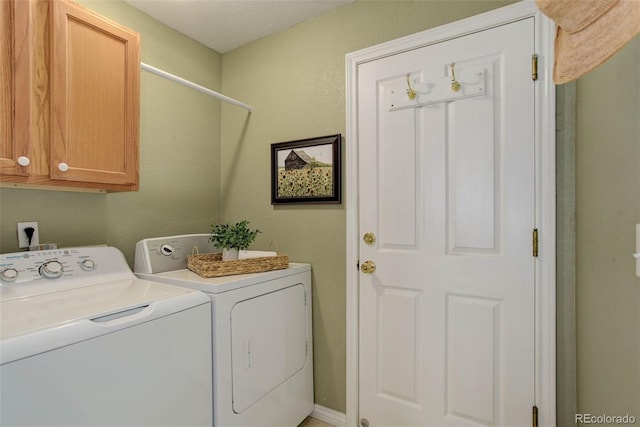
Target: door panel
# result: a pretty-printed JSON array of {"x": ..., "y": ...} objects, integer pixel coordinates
[
  {"x": 472, "y": 327},
  {"x": 268, "y": 343},
  {"x": 473, "y": 171},
  {"x": 446, "y": 183},
  {"x": 396, "y": 352}
]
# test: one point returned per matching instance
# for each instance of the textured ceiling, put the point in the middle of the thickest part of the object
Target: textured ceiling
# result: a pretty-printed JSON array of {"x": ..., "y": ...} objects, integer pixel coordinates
[{"x": 224, "y": 25}]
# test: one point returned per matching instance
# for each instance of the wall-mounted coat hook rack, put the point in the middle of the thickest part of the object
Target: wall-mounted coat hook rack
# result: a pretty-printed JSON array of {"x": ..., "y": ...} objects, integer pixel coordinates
[{"x": 413, "y": 93}]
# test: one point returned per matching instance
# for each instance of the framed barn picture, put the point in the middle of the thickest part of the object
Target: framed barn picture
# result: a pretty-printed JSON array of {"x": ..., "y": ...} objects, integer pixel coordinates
[{"x": 306, "y": 171}]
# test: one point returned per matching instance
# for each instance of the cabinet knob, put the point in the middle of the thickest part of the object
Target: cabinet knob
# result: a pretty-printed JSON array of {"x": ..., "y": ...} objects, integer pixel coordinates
[
  {"x": 63, "y": 167},
  {"x": 23, "y": 161}
]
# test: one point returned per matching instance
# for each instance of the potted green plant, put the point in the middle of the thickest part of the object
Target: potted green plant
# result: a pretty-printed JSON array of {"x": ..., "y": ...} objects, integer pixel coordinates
[{"x": 232, "y": 238}]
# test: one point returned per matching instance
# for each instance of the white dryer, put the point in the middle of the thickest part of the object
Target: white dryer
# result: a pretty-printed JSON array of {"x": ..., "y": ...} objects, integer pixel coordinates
[
  {"x": 262, "y": 342},
  {"x": 83, "y": 342}
]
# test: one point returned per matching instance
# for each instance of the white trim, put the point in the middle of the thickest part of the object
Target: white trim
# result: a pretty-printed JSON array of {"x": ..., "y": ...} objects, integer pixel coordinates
[
  {"x": 352, "y": 238},
  {"x": 545, "y": 192},
  {"x": 546, "y": 211},
  {"x": 324, "y": 414}
]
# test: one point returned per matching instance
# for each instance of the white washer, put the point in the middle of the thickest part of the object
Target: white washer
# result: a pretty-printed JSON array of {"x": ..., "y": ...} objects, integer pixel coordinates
[
  {"x": 262, "y": 343},
  {"x": 83, "y": 342}
]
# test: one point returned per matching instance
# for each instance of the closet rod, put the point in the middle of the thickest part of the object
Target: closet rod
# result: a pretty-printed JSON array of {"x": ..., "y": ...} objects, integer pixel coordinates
[{"x": 195, "y": 86}]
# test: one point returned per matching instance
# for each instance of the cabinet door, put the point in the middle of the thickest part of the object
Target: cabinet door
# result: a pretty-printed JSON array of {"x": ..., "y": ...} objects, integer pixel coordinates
[
  {"x": 8, "y": 152},
  {"x": 94, "y": 98},
  {"x": 24, "y": 132}
]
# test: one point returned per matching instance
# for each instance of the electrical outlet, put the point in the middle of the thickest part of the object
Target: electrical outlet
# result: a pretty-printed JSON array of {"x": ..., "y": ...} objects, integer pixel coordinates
[{"x": 23, "y": 238}]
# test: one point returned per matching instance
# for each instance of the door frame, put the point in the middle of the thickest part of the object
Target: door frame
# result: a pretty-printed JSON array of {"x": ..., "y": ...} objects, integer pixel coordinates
[{"x": 545, "y": 192}]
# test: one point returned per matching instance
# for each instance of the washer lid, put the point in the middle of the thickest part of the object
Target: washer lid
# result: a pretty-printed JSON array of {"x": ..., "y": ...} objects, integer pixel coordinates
[{"x": 25, "y": 315}]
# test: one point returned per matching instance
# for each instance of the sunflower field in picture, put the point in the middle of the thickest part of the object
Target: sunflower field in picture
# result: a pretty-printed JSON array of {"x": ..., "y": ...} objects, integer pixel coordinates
[{"x": 310, "y": 181}]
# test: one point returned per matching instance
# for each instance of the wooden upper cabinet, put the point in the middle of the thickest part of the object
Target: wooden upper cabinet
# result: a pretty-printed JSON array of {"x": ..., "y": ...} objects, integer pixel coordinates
[
  {"x": 72, "y": 78},
  {"x": 12, "y": 147},
  {"x": 94, "y": 98},
  {"x": 25, "y": 114}
]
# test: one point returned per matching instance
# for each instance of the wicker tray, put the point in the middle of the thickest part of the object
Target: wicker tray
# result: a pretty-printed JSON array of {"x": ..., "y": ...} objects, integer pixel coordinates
[{"x": 211, "y": 265}]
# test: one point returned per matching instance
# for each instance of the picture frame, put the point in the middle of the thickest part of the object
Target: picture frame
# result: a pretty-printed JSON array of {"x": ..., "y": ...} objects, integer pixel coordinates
[{"x": 307, "y": 170}]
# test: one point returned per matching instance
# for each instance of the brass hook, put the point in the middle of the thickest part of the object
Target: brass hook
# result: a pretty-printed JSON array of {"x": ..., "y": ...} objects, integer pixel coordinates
[
  {"x": 455, "y": 84},
  {"x": 410, "y": 92}
]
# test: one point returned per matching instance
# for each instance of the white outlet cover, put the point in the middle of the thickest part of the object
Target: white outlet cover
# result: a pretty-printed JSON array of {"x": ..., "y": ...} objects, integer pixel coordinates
[{"x": 23, "y": 241}]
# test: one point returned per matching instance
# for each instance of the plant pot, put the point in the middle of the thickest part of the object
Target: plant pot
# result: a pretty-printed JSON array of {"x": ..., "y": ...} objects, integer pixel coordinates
[{"x": 229, "y": 254}]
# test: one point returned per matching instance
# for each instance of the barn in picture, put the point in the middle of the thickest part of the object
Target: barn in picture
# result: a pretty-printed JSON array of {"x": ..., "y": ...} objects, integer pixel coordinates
[{"x": 297, "y": 159}]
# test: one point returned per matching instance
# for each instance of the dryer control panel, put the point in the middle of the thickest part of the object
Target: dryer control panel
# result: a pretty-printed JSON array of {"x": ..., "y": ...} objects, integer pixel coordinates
[{"x": 170, "y": 253}]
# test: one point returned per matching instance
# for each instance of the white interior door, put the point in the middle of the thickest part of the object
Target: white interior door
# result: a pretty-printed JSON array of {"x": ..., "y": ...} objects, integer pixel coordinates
[{"x": 447, "y": 188}]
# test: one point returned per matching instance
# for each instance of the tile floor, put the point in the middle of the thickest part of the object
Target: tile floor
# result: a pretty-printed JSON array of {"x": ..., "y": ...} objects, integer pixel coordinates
[{"x": 312, "y": 422}]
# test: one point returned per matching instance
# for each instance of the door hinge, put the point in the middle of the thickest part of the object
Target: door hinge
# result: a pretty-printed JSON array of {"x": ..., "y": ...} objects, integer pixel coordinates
[
  {"x": 534, "y": 67},
  {"x": 534, "y": 416},
  {"x": 534, "y": 239}
]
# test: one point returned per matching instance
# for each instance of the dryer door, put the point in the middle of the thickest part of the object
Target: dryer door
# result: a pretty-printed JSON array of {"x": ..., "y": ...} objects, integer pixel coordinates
[{"x": 269, "y": 343}]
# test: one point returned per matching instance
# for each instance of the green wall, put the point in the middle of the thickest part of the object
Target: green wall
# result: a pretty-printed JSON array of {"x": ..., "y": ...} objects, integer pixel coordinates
[
  {"x": 295, "y": 80},
  {"x": 179, "y": 155},
  {"x": 607, "y": 210}
]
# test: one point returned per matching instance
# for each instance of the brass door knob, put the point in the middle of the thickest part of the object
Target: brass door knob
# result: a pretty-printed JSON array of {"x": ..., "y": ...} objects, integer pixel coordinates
[
  {"x": 369, "y": 238},
  {"x": 368, "y": 267}
]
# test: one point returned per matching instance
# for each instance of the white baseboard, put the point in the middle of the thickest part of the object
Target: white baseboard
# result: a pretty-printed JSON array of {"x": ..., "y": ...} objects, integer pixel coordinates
[{"x": 329, "y": 416}]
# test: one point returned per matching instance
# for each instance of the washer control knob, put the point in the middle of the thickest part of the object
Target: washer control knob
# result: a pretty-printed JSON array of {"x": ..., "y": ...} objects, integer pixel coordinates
[
  {"x": 51, "y": 270},
  {"x": 167, "y": 250},
  {"x": 87, "y": 264},
  {"x": 9, "y": 274}
]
